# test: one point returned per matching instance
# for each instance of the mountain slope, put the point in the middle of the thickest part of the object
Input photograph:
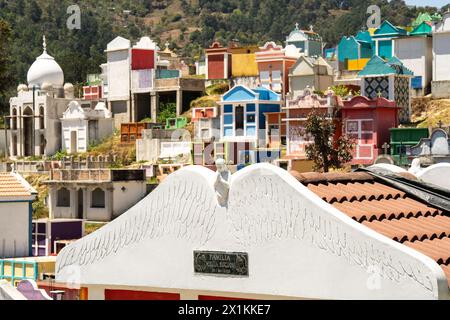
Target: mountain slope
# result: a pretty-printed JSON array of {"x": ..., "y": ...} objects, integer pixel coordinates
[{"x": 188, "y": 26}]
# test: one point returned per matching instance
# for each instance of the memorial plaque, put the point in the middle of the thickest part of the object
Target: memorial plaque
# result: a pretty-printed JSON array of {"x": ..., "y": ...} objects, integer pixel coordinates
[{"x": 224, "y": 263}]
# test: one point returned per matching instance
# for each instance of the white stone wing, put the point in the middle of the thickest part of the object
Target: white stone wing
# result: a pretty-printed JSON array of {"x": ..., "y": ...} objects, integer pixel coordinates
[
  {"x": 335, "y": 256},
  {"x": 182, "y": 207}
]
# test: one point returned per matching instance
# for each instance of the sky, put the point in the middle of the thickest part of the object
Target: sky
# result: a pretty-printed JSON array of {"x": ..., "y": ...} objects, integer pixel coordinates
[{"x": 432, "y": 3}]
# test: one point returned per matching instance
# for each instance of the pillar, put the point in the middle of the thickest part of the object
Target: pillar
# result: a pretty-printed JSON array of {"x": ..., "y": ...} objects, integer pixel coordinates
[
  {"x": 85, "y": 203},
  {"x": 133, "y": 108},
  {"x": 179, "y": 102},
  {"x": 154, "y": 108},
  {"x": 73, "y": 202},
  {"x": 225, "y": 66}
]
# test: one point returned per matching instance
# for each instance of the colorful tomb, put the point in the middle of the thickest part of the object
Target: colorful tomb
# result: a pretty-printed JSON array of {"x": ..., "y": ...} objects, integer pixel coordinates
[
  {"x": 367, "y": 122},
  {"x": 242, "y": 114},
  {"x": 389, "y": 79}
]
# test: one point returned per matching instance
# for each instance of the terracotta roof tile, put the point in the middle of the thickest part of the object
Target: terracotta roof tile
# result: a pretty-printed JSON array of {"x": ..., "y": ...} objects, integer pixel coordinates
[
  {"x": 386, "y": 210},
  {"x": 392, "y": 208},
  {"x": 340, "y": 192},
  {"x": 437, "y": 249},
  {"x": 11, "y": 186},
  {"x": 413, "y": 229}
]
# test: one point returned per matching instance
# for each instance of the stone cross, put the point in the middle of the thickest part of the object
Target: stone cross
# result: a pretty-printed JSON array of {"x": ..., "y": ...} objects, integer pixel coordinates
[
  {"x": 296, "y": 25},
  {"x": 385, "y": 147},
  {"x": 440, "y": 123}
]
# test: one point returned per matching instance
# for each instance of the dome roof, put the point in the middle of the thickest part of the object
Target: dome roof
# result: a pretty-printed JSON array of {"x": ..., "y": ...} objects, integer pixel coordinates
[{"x": 45, "y": 70}]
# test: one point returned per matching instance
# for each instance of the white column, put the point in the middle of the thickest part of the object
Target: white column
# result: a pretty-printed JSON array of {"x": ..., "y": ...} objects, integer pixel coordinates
[
  {"x": 391, "y": 88},
  {"x": 85, "y": 203},
  {"x": 73, "y": 202},
  {"x": 363, "y": 87},
  {"x": 225, "y": 66},
  {"x": 154, "y": 100},
  {"x": 179, "y": 102},
  {"x": 52, "y": 201}
]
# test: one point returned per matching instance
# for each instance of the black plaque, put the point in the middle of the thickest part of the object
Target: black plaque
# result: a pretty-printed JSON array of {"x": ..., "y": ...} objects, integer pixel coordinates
[{"x": 218, "y": 262}]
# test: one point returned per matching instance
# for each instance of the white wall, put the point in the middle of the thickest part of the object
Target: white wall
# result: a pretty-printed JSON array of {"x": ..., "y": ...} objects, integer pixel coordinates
[
  {"x": 124, "y": 199},
  {"x": 14, "y": 229},
  {"x": 416, "y": 55},
  {"x": 148, "y": 149},
  {"x": 441, "y": 56},
  {"x": 437, "y": 174},
  {"x": 80, "y": 126},
  {"x": 118, "y": 75},
  {"x": 297, "y": 244}
]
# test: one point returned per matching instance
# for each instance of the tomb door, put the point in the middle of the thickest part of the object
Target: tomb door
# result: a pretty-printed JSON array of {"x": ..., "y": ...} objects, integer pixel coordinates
[
  {"x": 28, "y": 132},
  {"x": 239, "y": 120},
  {"x": 73, "y": 142}
]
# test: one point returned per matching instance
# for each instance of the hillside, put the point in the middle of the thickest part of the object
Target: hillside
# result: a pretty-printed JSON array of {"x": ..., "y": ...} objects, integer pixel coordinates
[
  {"x": 428, "y": 112},
  {"x": 188, "y": 25}
]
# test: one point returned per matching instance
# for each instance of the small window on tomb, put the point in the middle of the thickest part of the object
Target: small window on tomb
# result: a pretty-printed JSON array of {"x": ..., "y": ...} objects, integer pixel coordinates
[
  {"x": 98, "y": 198},
  {"x": 63, "y": 198}
]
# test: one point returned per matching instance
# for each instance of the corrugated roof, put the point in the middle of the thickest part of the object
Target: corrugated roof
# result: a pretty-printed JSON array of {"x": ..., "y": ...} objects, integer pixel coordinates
[
  {"x": 14, "y": 187},
  {"x": 386, "y": 210}
]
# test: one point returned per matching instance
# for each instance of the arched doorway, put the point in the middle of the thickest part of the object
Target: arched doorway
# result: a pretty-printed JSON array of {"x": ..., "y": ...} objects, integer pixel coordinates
[{"x": 28, "y": 132}]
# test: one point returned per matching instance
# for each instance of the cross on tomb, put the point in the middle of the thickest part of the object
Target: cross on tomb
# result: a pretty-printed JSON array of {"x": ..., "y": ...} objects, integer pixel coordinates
[
  {"x": 379, "y": 94},
  {"x": 440, "y": 123},
  {"x": 385, "y": 147},
  {"x": 296, "y": 25}
]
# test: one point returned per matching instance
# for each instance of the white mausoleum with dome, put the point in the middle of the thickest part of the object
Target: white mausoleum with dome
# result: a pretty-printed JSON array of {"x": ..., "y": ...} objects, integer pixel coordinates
[{"x": 36, "y": 111}]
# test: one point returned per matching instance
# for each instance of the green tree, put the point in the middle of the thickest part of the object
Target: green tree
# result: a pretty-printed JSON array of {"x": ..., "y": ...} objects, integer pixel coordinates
[
  {"x": 325, "y": 151},
  {"x": 33, "y": 11},
  {"x": 166, "y": 111},
  {"x": 5, "y": 40}
]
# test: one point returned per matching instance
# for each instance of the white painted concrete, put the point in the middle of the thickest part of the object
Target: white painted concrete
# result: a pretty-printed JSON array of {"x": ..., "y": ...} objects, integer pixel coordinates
[
  {"x": 441, "y": 49},
  {"x": 416, "y": 53},
  {"x": 298, "y": 245},
  {"x": 14, "y": 229},
  {"x": 437, "y": 174}
]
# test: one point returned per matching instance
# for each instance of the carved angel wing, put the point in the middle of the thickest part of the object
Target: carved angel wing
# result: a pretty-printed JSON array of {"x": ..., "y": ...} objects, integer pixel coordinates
[{"x": 183, "y": 206}]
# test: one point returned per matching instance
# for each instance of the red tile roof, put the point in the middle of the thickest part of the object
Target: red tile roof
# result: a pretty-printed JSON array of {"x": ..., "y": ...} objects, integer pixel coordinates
[
  {"x": 14, "y": 187},
  {"x": 386, "y": 210}
]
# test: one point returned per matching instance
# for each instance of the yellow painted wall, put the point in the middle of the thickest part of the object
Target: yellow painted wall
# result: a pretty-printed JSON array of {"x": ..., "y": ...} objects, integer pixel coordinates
[
  {"x": 302, "y": 165},
  {"x": 44, "y": 265},
  {"x": 244, "y": 65},
  {"x": 357, "y": 64}
]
